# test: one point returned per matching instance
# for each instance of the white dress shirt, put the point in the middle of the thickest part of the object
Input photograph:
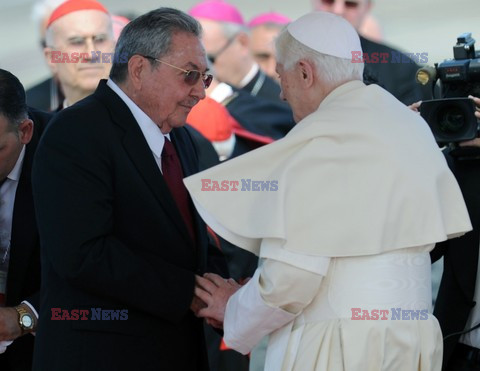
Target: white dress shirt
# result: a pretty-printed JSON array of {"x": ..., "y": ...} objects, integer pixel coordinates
[
  {"x": 7, "y": 200},
  {"x": 249, "y": 76},
  {"x": 152, "y": 133}
]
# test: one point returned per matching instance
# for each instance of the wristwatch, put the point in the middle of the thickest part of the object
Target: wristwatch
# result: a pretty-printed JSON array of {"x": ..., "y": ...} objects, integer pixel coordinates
[{"x": 25, "y": 319}]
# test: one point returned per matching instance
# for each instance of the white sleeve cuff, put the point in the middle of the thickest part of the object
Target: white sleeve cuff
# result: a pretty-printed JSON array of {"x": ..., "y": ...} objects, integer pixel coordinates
[
  {"x": 248, "y": 318},
  {"x": 4, "y": 345},
  {"x": 312, "y": 263},
  {"x": 33, "y": 310},
  {"x": 31, "y": 307}
]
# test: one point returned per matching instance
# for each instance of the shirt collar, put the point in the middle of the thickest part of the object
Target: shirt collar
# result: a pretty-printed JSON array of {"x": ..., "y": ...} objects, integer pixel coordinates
[
  {"x": 221, "y": 92},
  {"x": 17, "y": 169},
  {"x": 249, "y": 76},
  {"x": 152, "y": 133}
]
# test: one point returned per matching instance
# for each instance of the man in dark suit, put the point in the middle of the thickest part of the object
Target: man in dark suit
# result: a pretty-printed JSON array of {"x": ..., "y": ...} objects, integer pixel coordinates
[
  {"x": 20, "y": 130},
  {"x": 457, "y": 305},
  {"x": 121, "y": 241},
  {"x": 396, "y": 78}
]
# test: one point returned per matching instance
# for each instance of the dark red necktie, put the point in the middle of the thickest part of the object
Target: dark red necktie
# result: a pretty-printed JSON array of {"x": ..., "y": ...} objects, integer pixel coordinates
[{"x": 173, "y": 175}]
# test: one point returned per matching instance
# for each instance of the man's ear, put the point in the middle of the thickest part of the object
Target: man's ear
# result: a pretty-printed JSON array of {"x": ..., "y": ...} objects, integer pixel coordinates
[
  {"x": 25, "y": 131},
  {"x": 53, "y": 57},
  {"x": 306, "y": 72},
  {"x": 243, "y": 39},
  {"x": 137, "y": 67}
]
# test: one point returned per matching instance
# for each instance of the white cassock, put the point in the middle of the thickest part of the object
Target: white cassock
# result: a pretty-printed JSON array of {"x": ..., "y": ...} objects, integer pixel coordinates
[{"x": 363, "y": 195}]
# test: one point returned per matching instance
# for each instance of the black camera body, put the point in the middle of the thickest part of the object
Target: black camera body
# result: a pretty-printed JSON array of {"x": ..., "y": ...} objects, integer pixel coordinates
[{"x": 452, "y": 118}]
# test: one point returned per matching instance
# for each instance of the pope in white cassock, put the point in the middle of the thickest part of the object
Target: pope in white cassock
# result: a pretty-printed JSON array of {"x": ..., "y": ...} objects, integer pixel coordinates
[{"x": 364, "y": 193}]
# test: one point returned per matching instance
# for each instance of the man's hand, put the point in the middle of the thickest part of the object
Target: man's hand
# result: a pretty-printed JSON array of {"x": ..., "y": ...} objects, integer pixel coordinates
[
  {"x": 215, "y": 292},
  {"x": 9, "y": 326},
  {"x": 197, "y": 303}
]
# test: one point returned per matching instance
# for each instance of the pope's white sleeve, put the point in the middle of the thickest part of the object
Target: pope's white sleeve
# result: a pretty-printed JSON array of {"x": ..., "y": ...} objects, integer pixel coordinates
[{"x": 274, "y": 296}]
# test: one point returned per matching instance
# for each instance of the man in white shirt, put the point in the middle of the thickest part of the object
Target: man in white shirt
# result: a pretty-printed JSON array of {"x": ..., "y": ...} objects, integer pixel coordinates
[{"x": 19, "y": 243}]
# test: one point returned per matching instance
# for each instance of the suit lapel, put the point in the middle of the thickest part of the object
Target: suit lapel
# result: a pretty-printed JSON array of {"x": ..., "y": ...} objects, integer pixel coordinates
[
  {"x": 141, "y": 156},
  {"x": 24, "y": 227}
]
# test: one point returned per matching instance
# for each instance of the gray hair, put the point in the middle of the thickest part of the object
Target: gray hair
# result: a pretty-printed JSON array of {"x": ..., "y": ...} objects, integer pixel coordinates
[
  {"x": 333, "y": 70},
  {"x": 43, "y": 8},
  {"x": 150, "y": 35},
  {"x": 41, "y": 11},
  {"x": 230, "y": 29}
]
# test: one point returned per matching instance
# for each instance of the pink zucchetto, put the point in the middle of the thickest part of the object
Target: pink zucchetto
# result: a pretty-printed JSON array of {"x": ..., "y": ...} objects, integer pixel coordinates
[
  {"x": 217, "y": 10},
  {"x": 266, "y": 18},
  {"x": 326, "y": 33}
]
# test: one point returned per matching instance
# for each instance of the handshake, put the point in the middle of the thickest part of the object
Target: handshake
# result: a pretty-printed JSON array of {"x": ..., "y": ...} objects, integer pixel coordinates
[{"x": 211, "y": 296}]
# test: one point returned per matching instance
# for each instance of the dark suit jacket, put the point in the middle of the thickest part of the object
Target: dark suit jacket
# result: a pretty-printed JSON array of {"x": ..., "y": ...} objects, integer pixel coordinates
[
  {"x": 23, "y": 282},
  {"x": 455, "y": 297},
  {"x": 263, "y": 86},
  {"x": 113, "y": 238},
  {"x": 397, "y": 78},
  {"x": 46, "y": 95}
]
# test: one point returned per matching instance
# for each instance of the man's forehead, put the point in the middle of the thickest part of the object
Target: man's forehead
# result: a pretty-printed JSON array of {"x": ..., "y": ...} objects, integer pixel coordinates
[
  {"x": 188, "y": 50},
  {"x": 83, "y": 22}
]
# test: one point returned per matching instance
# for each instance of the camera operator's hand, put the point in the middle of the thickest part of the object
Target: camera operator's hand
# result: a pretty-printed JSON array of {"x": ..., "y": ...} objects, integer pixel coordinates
[
  {"x": 415, "y": 106},
  {"x": 477, "y": 104},
  {"x": 474, "y": 142}
]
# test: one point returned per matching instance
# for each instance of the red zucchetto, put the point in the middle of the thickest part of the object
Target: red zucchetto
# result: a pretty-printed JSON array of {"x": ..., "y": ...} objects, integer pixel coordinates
[{"x": 71, "y": 6}]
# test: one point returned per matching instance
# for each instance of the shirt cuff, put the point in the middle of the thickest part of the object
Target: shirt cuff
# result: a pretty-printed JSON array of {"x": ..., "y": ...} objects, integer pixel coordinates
[
  {"x": 248, "y": 318},
  {"x": 34, "y": 312}
]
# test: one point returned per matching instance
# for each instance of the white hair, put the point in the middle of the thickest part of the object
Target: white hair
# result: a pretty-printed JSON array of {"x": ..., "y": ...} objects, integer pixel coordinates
[
  {"x": 333, "y": 70},
  {"x": 43, "y": 8}
]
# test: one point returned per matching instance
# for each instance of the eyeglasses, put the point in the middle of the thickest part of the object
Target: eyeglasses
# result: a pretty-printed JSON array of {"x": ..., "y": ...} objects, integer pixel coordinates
[
  {"x": 213, "y": 57},
  {"x": 191, "y": 76},
  {"x": 350, "y": 4}
]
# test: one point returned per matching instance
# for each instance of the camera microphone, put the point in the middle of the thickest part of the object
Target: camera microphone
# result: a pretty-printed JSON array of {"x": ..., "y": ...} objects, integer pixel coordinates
[{"x": 426, "y": 74}]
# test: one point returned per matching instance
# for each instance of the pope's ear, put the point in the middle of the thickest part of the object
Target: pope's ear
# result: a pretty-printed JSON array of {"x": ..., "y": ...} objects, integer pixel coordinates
[{"x": 306, "y": 72}]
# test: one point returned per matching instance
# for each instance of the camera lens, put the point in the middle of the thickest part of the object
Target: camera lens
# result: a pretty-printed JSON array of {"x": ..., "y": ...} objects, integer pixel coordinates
[{"x": 451, "y": 119}]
